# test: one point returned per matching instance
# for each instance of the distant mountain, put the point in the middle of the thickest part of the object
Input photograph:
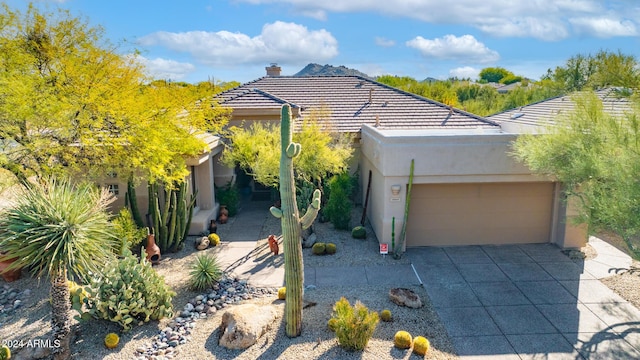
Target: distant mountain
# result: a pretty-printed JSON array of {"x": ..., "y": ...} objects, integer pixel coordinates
[{"x": 328, "y": 70}]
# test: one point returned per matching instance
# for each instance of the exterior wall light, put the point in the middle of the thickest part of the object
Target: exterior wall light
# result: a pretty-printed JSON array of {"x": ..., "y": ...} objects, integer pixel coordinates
[{"x": 395, "y": 189}]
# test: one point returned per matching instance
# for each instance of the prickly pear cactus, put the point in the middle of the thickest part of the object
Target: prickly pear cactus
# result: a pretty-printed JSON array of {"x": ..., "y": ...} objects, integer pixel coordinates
[{"x": 292, "y": 225}]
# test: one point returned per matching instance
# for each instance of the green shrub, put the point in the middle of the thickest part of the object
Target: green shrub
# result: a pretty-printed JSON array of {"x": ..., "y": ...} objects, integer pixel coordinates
[
  {"x": 359, "y": 232},
  {"x": 230, "y": 196},
  {"x": 339, "y": 204},
  {"x": 385, "y": 315},
  {"x": 205, "y": 272},
  {"x": 332, "y": 324},
  {"x": 402, "y": 340},
  {"x": 330, "y": 248},
  {"x": 129, "y": 234},
  {"x": 319, "y": 248},
  {"x": 354, "y": 325},
  {"x": 130, "y": 292}
]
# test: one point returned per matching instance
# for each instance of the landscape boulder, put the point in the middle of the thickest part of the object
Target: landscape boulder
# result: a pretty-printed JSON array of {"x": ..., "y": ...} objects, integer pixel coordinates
[
  {"x": 309, "y": 240},
  {"x": 405, "y": 297},
  {"x": 243, "y": 325}
]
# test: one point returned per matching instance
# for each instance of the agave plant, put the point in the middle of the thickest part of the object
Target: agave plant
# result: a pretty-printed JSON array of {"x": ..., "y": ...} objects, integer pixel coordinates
[
  {"x": 205, "y": 272},
  {"x": 58, "y": 229}
]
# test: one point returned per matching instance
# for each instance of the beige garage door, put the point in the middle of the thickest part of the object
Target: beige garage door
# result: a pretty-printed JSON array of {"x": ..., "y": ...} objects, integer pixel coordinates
[{"x": 473, "y": 214}]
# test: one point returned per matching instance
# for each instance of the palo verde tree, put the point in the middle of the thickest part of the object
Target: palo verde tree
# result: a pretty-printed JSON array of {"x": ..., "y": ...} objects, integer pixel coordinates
[
  {"x": 254, "y": 150},
  {"x": 597, "y": 158},
  {"x": 71, "y": 103}
]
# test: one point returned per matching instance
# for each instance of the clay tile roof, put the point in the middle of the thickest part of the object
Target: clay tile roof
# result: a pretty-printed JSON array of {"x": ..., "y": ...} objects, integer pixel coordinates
[
  {"x": 351, "y": 102},
  {"x": 545, "y": 111}
]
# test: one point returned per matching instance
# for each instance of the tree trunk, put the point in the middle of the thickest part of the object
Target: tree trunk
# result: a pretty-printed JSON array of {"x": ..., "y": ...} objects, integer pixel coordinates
[{"x": 60, "y": 316}]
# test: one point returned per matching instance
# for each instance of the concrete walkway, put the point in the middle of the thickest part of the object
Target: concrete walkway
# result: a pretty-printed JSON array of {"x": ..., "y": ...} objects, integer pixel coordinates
[{"x": 496, "y": 302}]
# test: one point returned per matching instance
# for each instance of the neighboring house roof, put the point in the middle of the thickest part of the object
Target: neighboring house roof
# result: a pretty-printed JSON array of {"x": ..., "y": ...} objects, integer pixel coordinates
[
  {"x": 545, "y": 112},
  {"x": 351, "y": 102}
]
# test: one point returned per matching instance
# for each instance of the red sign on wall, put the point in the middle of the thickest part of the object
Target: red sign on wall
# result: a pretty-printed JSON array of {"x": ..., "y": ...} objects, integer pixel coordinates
[{"x": 384, "y": 249}]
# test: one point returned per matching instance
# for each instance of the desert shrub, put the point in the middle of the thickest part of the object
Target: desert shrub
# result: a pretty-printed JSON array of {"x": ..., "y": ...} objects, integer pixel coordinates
[
  {"x": 359, "y": 232},
  {"x": 130, "y": 292},
  {"x": 421, "y": 345},
  {"x": 214, "y": 239},
  {"x": 385, "y": 315},
  {"x": 354, "y": 324},
  {"x": 129, "y": 234},
  {"x": 230, "y": 196},
  {"x": 339, "y": 204},
  {"x": 282, "y": 293},
  {"x": 330, "y": 248},
  {"x": 402, "y": 340},
  {"x": 332, "y": 324},
  {"x": 205, "y": 272},
  {"x": 319, "y": 248}
]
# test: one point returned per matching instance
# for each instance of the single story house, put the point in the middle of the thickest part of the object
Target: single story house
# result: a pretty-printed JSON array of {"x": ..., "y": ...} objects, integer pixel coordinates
[{"x": 467, "y": 188}]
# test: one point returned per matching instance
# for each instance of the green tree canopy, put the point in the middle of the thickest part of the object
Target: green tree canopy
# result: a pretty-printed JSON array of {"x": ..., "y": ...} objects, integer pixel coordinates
[
  {"x": 70, "y": 103},
  {"x": 257, "y": 151},
  {"x": 494, "y": 74},
  {"x": 596, "y": 71},
  {"x": 597, "y": 157}
]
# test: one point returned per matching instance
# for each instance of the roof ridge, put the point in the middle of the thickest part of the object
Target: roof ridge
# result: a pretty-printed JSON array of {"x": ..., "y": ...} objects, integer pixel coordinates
[{"x": 274, "y": 97}]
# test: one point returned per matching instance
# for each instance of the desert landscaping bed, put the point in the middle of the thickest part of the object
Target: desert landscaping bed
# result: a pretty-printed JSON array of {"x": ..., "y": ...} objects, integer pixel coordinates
[{"x": 31, "y": 320}]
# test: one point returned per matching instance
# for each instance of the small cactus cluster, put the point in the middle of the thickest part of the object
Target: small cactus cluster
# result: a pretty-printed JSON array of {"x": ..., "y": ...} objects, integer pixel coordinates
[
  {"x": 111, "y": 340},
  {"x": 403, "y": 340},
  {"x": 324, "y": 248},
  {"x": 282, "y": 293},
  {"x": 385, "y": 315},
  {"x": 359, "y": 232}
]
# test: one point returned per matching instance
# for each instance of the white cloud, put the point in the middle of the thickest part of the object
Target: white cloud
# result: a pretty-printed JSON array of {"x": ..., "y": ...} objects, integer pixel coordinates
[
  {"x": 380, "y": 41},
  {"x": 159, "y": 68},
  {"x": 541, "y": 19},
  {"x": 450, "y": 47},
  {"x": 464, "y": 72},
  {"x": 281, "y": 42},
  {"x": 604, "y": 27}
]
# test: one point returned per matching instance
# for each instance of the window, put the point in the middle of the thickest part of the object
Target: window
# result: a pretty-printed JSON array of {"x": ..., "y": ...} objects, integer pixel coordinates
[{"x": 114, "y": 189}]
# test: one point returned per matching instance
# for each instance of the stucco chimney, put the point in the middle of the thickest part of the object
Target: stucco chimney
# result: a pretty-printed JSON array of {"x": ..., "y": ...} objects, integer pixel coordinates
[{"x": 273, "y": 70}]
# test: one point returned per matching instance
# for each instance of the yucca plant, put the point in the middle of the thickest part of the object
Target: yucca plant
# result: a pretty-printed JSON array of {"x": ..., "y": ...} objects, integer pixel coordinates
[
  {"x": 205, "y": 272},
  {"x": 58, "y": 229},
  {"x": 354, "y": 325}
]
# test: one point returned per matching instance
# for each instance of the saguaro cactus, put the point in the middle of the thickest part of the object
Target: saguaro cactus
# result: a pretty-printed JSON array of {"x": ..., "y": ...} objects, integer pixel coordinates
[{"x": 292, "y": 225}]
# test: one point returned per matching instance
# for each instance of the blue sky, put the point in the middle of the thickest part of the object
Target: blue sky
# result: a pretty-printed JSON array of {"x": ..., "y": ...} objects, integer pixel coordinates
[{"x": 227, "y": 40}]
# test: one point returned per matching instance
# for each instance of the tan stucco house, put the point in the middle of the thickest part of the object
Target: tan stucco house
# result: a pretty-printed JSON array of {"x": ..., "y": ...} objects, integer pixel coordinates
[{"x": 467, "y": 189}]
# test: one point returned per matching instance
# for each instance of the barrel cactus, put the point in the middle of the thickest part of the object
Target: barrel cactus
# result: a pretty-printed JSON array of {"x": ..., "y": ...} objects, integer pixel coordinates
[
  {"x": 359, "y": 232},
  {"x": 292, "y": 225},
  {"x": 319, "y": 248},
  {"x": 5, "y": 352},
  {"x": 282, "y": 293},
  {"x": 402, "y": 340},
  {"x": 111, "y": 340},
  {"x": 385, "y": 315},
  {"x": 330, "y": 248},
  {"x": 421, "y": 345}
]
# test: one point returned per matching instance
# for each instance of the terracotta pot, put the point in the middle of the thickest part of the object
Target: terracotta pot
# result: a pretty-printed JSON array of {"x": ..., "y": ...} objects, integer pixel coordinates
[
  {"x": 152, "y": 250},
  {"x": 11, "y": 275},
  {"x": 223, "y": 215},
  {"x": 224, "y": 210}
]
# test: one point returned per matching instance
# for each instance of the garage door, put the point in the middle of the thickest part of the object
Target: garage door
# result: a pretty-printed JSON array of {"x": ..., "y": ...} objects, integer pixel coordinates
[{"x": 474, "y": 214}]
